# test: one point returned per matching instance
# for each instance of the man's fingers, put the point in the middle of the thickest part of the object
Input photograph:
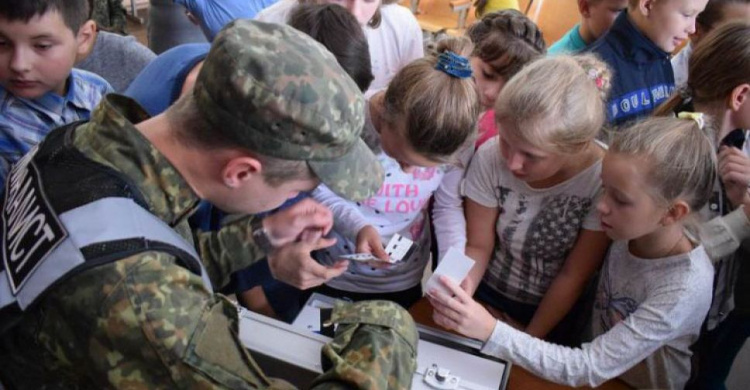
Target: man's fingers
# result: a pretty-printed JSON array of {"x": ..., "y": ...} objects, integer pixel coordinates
[{"x": 311, "y": 235}]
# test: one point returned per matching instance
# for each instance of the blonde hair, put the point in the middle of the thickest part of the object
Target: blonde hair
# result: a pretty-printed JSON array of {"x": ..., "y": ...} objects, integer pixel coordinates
[
  {"x": 680, "y": 154},
  {"x": 556, "y": 103},
  {"x": 439, "y": 110},
  {"x": 719, "y": 63}
]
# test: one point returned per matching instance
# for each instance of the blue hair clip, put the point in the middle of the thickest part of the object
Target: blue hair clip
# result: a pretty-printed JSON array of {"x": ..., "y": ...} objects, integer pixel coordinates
[{"x": 454, "y": 65}]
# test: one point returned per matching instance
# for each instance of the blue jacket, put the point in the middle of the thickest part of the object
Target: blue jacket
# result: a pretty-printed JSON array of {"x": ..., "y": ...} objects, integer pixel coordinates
[{"x": 642, "y": 74}]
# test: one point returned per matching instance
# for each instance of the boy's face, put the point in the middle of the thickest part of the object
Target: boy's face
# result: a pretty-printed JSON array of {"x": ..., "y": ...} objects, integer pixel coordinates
[
  {"x": 670, "y": 22},
  {"x": 36, "y": 56},
  {"x": 601, "y": 15}
]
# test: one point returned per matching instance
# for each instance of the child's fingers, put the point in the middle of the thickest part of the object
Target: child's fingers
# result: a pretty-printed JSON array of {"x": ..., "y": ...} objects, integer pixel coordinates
[
  {"x": 444, "y": 321},
  {"x": 378, "y": 250},
  {"x": 458, "y": 293}
]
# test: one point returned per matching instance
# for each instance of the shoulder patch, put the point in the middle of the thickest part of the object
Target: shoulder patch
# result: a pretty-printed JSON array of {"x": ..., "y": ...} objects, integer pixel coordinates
[{"x": 31, "y": 229}]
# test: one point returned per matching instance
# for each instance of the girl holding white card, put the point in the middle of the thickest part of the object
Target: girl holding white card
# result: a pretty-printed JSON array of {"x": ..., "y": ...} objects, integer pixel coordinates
[
  {"x": 655, "y": 285},
  {"x": 422, "y": 129},
  {"x": 530, "y": 191}
]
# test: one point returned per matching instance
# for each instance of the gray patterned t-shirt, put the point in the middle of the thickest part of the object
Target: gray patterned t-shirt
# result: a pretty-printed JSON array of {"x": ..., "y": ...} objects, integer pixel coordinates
[{"x": 537, "y": 228}]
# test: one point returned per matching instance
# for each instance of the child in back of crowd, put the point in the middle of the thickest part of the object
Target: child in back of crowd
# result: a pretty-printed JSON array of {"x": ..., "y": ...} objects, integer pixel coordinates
[
  {"x": 637, "y": 49},
  {"x": 392, "y": 32},
  {"x": 597, "y": 16},
  {"x": 484, "y": 7},
  {"x": 420, "y": 128},
  {"x": 504, "y": 41},
  {"x": 39, "y": 89},
  {"x": 655, "y": 285},
  {"x": 716, "y": 13},
  {"x": 719, "y": 85},
  {"x": 117, "y": 58},
  {"x": 532, "y": 227}
]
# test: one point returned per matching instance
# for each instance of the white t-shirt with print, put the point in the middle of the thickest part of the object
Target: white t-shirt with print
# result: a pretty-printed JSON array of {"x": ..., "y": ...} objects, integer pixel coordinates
[
  {"x": 393, "y": 44},
  {"x": 647, "y": 314},
  {"x": 400, "y": 206},
  {"x": 536, "y": 228}
]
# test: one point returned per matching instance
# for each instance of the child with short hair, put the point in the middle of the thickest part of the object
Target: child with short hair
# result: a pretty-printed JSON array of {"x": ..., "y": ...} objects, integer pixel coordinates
[
  {"x": 39, "y": 89},
  {"x": 719, "y": 85},
  {"x": 504, "y": 41},
  {"x": 532, "y": 227},
  {"x": 655, "y": 286},
  {"x": 637, "y": 49},
  {"x": 597, "y": 16},
  {"x": 716, "y": 13},
  {"x": 421, "y": 127}
]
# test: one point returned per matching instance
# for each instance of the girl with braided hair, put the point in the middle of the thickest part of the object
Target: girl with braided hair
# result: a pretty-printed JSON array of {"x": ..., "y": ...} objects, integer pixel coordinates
[{"x": 504, "y": 42}]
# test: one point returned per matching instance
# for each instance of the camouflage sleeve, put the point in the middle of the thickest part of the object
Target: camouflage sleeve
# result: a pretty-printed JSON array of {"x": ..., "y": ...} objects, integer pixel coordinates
[
  {"x": 375, "y": 348},
  {"x": 228, "y": 250},
  {"x": 109, "y": 15},
  {"x": 160, "y": 329}
]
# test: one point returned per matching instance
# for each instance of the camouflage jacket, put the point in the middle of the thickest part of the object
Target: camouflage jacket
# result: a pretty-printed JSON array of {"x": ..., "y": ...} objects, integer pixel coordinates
[
  {"x": 109, "y": 15},
  {"x": 146, "y": 322}
]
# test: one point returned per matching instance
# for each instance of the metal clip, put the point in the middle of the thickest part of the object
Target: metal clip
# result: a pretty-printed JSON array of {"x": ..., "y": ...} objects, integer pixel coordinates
[{"x": 440, "y": 378}]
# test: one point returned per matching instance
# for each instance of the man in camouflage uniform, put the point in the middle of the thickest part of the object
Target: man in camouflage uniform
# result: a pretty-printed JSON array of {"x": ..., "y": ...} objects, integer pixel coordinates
[
  {"x": 109, "y": 15},
  {"x": 272, "y": 113}
]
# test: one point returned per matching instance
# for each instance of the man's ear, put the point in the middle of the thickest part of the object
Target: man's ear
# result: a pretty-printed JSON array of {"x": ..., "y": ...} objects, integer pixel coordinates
[
  {"x": 239, "y": 171},
  {"x": 679, "y": 210},
  {"x": 85, "y": 39}
]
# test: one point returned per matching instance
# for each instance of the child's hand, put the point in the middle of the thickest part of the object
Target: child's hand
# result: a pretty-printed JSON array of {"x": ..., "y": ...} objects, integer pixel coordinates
[
  {"x": 368, "y": 241},
  {"x": 460, "y": 312},
  {"x": 734, "y": 171}
]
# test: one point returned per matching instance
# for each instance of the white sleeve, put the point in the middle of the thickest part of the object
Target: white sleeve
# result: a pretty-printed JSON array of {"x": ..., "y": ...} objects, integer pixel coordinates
[
  {"x": 722, "y": 235},
  {"x": 655, "y": 322},
  {"x": 482, "y": 175},
  {"x": 347, "y": 220},
  {"x": 448, "y": 216},
  {"x": 413, "y": 48}
]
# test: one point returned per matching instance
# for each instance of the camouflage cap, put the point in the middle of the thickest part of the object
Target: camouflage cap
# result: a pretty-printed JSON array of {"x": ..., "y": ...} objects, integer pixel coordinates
[{"x": 285, "y": 96}]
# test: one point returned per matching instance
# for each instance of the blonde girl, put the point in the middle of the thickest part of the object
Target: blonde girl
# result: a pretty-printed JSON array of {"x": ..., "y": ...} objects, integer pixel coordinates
[
  {"x": 532, "y": 227},
  {"x": 655, "y": 286},
  {"x": 504, "y": 42},
  {"x": 719, "y": 85},
  {"x": 420, "y": 127}
]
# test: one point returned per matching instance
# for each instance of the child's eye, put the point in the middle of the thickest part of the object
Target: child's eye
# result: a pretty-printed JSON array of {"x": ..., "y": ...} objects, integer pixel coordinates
[
  {"x": 43, "y": 46},
  {"x": 488, "y": 76}
]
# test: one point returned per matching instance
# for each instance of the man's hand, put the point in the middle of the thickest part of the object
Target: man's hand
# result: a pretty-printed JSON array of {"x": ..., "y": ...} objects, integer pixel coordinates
[
  {"x": 287, "y": 226},
  {"x": 293, "y": 265}
]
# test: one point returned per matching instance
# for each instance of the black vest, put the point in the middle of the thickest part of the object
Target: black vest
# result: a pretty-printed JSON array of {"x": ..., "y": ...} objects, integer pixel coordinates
[{"x": 63, "y": 214}]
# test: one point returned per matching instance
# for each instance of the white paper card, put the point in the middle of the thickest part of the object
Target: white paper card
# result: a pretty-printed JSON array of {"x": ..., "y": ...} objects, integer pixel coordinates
[
  {"x": 454, "y": 265},
  {"x": 398, "y": 247},
  {"x": 360, "y": 257}
]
